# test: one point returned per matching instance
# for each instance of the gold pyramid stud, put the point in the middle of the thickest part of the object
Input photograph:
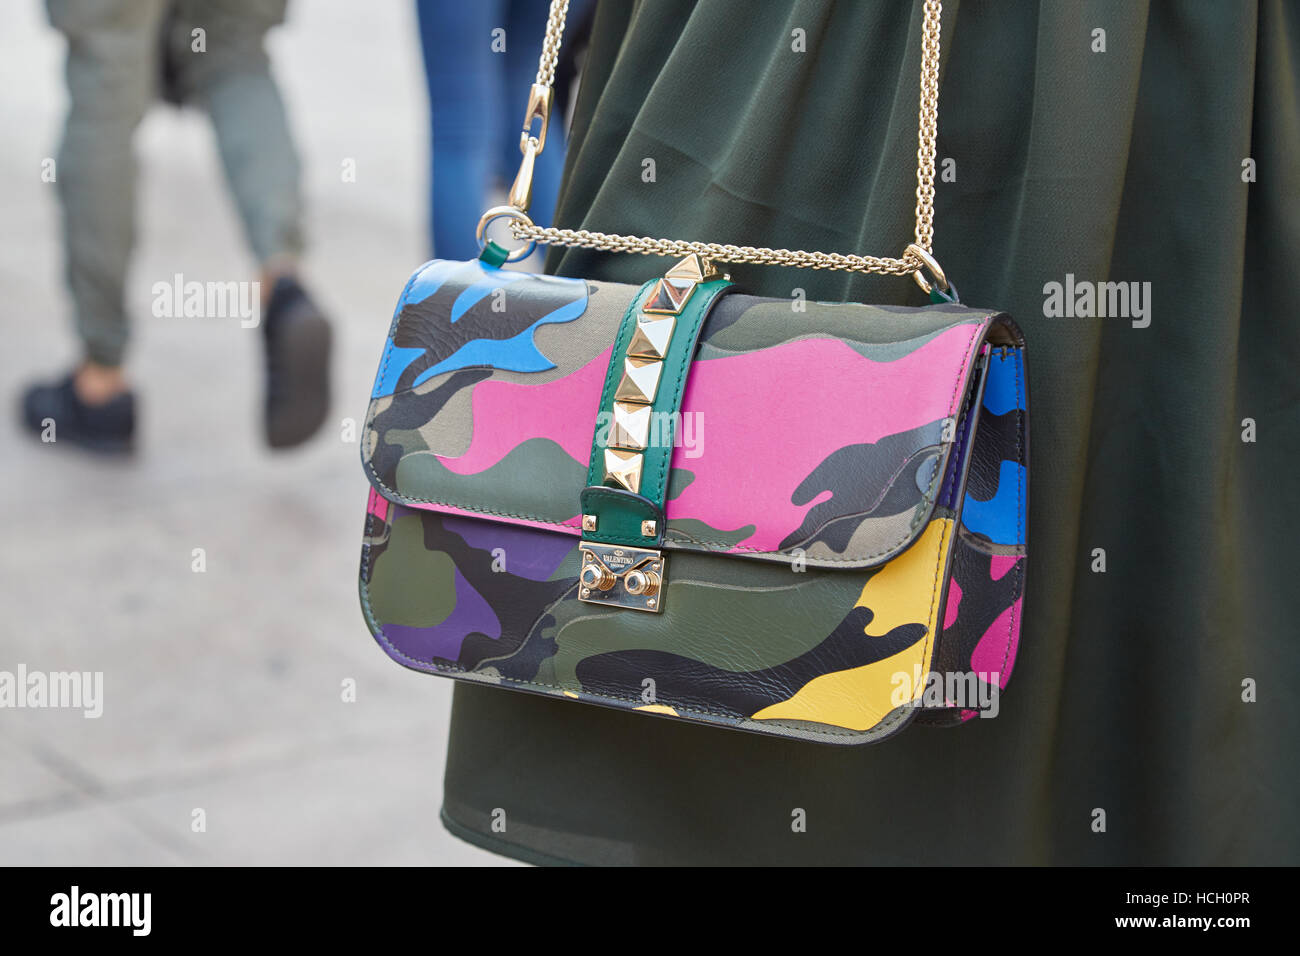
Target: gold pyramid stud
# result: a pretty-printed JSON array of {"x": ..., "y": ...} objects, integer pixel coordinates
[
  {"x": 694, "y": 268},
  {"x": 631, "y": 426},
  {"x": 588, "y": 522},
  {"x": 651, "y": 338},
  {"x": 668, "y": 295},
  {"x": 623, "y": 468},
  {"x": 640, "y": 381}
]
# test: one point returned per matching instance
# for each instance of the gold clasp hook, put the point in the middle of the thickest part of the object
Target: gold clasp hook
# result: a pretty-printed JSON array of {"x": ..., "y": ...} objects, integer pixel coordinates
[
  {"x": 521, "y": 190},
  {"x": 539, "y": 108}
]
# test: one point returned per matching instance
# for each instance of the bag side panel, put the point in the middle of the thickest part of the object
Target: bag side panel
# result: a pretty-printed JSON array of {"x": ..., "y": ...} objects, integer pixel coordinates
[{"x": 983, "y": 608}]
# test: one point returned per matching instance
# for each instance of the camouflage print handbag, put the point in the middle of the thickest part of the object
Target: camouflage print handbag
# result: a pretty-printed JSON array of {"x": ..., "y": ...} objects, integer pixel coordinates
[{"x": 673, "y": 499}]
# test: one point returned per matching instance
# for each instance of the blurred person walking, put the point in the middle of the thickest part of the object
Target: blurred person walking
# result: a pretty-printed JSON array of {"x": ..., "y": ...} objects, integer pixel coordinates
[{"x": 122, "y": 54}]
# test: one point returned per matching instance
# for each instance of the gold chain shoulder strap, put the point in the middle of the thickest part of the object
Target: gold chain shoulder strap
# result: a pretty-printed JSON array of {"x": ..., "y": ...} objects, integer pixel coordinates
[{"x": 916, "y": 257}]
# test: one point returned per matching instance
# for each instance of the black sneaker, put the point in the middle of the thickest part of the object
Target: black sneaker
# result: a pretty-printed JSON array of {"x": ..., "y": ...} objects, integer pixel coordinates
[
  {"x": 55, "y": 412},
  {"x": 297, "y": 365}
]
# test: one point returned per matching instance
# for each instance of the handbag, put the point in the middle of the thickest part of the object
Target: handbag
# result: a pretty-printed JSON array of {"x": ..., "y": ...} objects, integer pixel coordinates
[{"x": 685, "y": 501}]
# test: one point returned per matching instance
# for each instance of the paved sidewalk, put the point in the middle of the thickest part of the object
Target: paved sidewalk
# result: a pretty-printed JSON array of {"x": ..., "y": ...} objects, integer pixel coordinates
[{"x": 222, "y": 689}]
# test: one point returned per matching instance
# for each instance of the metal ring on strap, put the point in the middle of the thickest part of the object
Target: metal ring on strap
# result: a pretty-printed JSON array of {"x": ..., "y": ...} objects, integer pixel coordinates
[
  {"x": 505, "y": 212},
  {"x": 931, "y": 263}
]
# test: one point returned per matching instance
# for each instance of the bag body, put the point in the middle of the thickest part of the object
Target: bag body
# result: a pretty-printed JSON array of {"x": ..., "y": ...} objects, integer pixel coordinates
[{"x": 840, "y": 545}]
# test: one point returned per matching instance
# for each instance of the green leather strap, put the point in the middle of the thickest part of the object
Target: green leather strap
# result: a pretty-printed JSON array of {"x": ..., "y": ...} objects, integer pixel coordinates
[
  {"x": 619, "y": 513},
  {"x": 494, "y": 254}
]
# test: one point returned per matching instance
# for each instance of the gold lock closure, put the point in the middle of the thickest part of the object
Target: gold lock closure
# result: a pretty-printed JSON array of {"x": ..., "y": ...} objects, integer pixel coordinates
[
  {"x": 641, "y": 583},
  {"x": 595, "y": 576},
  {"x": 618, "y": 576}
]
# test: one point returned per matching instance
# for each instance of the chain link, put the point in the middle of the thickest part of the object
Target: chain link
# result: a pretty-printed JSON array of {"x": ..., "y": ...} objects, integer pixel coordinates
[
  {"x": 551, "y": 45},
  {"x": 910, "y": 263},
  {"x": 718, "y": 252},
  {"x": 927, "y": 124}
]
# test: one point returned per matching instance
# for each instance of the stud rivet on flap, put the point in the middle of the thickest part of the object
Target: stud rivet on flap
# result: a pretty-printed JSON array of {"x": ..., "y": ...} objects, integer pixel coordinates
[
  {"x": 623, "y": 468},
  {"x": 651, "y": 338},
  {"x": 640, "y": 381},
  {"x": 631, "y": 428}
]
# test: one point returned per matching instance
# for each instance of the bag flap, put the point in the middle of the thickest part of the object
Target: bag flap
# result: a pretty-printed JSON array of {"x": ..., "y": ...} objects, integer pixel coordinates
[{"x": 807, "y": 429}]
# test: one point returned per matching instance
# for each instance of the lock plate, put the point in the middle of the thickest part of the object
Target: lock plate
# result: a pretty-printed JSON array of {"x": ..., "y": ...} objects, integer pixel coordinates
[{"x": 620, "y": 576}]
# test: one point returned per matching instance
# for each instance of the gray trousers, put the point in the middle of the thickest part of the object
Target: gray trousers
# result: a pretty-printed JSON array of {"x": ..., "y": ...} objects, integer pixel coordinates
[{"x": 116, "y": 53}]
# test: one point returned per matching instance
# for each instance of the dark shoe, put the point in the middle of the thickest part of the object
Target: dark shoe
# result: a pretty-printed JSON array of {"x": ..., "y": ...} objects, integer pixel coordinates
[
  {"x": 56, "y": 411},
  {"x": 297, "y": 365}
]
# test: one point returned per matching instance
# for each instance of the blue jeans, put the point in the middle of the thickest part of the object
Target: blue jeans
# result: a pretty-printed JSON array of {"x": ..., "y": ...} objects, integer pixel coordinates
[{"x": 476, "y": 100}]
